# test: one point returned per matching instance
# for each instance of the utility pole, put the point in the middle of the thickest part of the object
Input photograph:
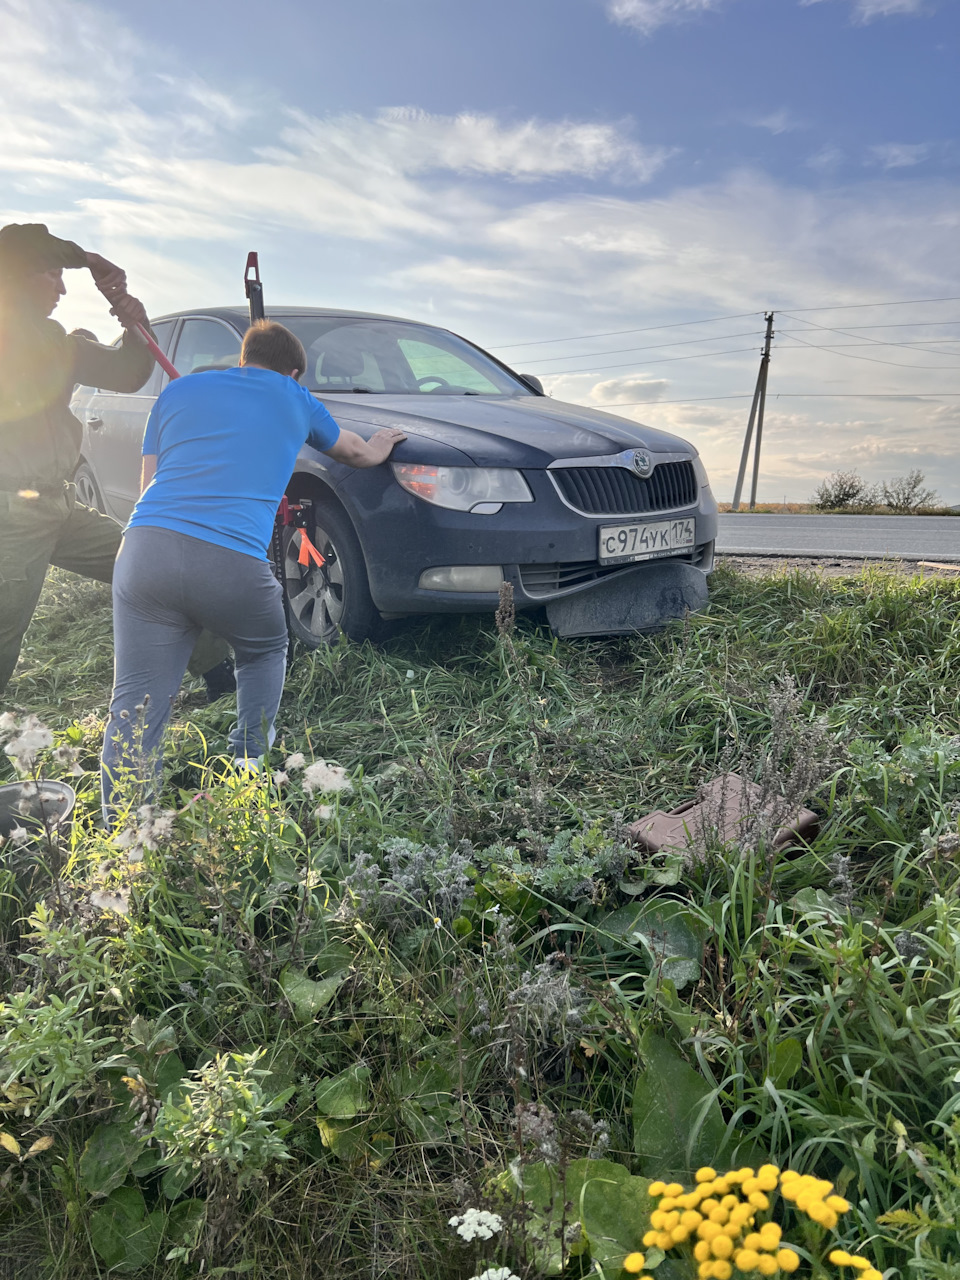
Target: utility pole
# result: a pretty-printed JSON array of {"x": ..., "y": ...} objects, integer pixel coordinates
[{"x": 756, "y": 416}]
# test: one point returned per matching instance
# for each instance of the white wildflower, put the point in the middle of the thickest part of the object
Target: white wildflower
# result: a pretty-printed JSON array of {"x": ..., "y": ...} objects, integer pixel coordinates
[
  {"x": 135, "y": 854},
  {"x": 145, "y": 812},
  {"x": 410, "y": 673},
  {"x": 326, "y": 778},
  {"x": 324, "y": 812},
  {"x": 107, "y": 901},
  {"x": 126, "y": 838},
  {"x": 28, "y": 742},
  {"x": 18, "y": 835},
  {"x": 476, "y": 1224},
  {"x": 163, "y": 824},
  {"x": 8, "y": 722},
  {"x": 66, "y": 755},
  {"x": 496, "y": 1273},
  {"x": 297, "y": 761},
  {"x": 280, "y": 777},
  {"x": 437, "y": 922}
]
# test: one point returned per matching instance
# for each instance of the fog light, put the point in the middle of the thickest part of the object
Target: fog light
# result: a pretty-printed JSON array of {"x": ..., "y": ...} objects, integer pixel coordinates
[{"x": 462, "y": 577}]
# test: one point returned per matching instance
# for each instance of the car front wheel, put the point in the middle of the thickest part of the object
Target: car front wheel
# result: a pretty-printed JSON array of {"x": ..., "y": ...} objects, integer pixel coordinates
[{"x": 326, "y": 600}]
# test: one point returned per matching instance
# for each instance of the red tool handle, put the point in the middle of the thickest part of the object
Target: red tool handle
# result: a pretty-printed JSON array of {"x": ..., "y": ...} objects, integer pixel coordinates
[{"x": 158, "y": 355}]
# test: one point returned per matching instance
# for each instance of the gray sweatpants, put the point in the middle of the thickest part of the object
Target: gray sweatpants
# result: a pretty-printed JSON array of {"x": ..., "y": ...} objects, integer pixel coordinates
[{"x": 167, "y": 588}]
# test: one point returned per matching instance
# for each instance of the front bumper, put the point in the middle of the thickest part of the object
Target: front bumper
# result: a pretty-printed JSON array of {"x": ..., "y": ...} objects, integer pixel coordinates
[{"x": 546, "y": 549}]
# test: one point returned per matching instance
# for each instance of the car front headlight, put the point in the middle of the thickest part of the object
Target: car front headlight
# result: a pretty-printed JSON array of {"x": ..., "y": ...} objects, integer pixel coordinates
[{"x": 463, "y": 488}]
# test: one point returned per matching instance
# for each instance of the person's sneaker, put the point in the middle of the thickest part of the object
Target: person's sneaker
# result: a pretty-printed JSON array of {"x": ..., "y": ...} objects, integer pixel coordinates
[
  {"x": 248, "y": 764},
  {"x": 220, "y": 680}
]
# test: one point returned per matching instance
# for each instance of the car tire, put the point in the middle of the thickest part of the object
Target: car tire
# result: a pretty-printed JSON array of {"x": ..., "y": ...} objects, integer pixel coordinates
[
  {"x": 88, "y": 491},
  {"x": 325, "y": 601}
]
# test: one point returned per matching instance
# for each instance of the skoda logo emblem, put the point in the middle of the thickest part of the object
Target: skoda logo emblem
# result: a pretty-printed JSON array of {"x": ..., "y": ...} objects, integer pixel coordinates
[{"x": 642, "y": 463}]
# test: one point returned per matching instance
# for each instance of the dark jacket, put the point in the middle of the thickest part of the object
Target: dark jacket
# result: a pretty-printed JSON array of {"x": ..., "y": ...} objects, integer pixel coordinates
[{"x": 39, "y": 366}]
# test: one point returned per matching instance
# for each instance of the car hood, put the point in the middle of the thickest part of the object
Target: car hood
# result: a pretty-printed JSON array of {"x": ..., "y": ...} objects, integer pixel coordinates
[{"x": 526, "y": 431}]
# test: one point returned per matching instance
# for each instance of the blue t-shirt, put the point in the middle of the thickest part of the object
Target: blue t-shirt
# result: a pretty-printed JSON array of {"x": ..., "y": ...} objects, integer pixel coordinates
[{"x": 226, "y": 442}]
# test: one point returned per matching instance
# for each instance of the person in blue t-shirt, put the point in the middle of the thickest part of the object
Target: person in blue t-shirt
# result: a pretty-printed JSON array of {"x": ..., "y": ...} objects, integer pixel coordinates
[{"x": 218, "y": 452}]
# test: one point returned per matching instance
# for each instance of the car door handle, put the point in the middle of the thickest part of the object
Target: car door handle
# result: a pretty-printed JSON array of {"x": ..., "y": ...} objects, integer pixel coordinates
[{"x": 94, "y": 422}]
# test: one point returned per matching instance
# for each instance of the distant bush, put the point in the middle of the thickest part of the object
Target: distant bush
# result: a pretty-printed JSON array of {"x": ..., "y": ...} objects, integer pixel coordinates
[
  {"x": 906, "y": 494},
  {"x": 848, "y": 491},
  {"x": 843, "y": 491}
]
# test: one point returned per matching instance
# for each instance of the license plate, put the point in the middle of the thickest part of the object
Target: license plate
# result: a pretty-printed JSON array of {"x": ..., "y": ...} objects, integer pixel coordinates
[{"x": 645, "y": 541}]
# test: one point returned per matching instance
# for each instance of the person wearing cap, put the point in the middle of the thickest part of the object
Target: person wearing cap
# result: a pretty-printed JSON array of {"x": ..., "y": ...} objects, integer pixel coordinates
[{"x": 41, "y": 521}]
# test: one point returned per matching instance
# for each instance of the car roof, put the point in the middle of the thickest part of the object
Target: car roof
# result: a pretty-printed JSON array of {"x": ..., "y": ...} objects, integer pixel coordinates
[{"x": 242, "y": 315}]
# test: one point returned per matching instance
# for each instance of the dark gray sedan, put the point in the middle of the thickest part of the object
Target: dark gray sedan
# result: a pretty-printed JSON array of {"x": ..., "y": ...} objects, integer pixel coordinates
[{"x": 609, "y": 524}]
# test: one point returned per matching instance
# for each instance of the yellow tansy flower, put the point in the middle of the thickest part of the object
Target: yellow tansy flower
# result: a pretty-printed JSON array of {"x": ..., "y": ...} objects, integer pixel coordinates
[
  {"x": 706, "y": 1174},
  {"x": 787, "y": 1260},
  {"x": 767, "y": 1266},
  {"x": 746, "y": 1259},
  {"x": 656, "y": 1188},
  {"x": 634, "y": 1262},
  {"x": 722, "y": 1270},
  {"x": 721, "y": 1247}
]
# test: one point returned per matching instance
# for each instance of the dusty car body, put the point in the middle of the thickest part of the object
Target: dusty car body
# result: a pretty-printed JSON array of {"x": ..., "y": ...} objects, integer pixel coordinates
[{"x": 608, "y": 524}]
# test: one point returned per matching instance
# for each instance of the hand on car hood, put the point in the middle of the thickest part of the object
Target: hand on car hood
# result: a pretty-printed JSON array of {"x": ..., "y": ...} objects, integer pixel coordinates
[{"x": 525, "y": 431}]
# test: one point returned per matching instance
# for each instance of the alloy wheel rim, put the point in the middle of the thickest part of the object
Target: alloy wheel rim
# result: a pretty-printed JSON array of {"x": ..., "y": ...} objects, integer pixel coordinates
[{"x": 315, "y": 593}]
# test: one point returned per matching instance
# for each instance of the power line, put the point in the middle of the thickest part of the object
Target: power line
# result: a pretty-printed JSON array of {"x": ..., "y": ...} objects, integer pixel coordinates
[
  {"x": 856, "y": 328},
  {"x": 915, "y": 344},
  {"x": 657, "y": 346},
  {"x": 700, "y": 355},
  {"x": 847, "y": 355},
  {"x": 911, "y": 344},
  {"x": 852, "y": 332},
  {"x": 616, "y": 333},
  {"x": 851, "y": 306},
  {"x": 791, "y": 395},
  {"x": 743, "y": 315}
]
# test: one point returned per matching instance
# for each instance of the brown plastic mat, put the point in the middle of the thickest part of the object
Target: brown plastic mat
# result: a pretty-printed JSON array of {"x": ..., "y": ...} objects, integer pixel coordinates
[{"x": 724, "y": 806}]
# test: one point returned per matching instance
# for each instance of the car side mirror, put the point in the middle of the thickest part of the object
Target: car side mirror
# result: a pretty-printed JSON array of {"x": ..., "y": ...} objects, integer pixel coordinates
[{"x": 534, "y": 382}]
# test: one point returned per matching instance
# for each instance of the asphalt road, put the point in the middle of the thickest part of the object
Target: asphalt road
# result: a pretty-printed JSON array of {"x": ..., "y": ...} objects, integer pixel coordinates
[{"x": 872, "y": 537}]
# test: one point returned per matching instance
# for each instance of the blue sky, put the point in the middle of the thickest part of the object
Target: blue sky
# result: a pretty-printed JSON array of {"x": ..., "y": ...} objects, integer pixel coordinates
[{"x": 535, "y": 170}]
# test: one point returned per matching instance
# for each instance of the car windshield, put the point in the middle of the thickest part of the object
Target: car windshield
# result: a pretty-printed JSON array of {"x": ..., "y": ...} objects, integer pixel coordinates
[{"x": 390, "y": 357}]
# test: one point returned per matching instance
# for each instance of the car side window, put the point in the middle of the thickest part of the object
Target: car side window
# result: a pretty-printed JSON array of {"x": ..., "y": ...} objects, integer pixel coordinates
[
  {"x": 163, "y": 330},
  {"x": 206, "y": 344}
]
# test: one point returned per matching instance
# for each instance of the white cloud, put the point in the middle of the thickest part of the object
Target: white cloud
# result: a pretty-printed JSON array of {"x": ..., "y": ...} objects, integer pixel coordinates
[
  {"x": 494, "y": 227},
  {"x": 866, "y": 10},
  {"x": 900, "y": 155},
  {"x": 782, "y": 121},
  {"x": 411, "y": 141},
  {"x": 641, "y": 389},
  {"x": 826, "y": 160},
  {"x": 646, "y": 16}
]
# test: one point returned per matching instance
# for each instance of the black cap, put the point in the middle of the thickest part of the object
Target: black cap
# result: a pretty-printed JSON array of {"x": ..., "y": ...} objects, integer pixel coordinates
[{"x": 28, "y": 247}]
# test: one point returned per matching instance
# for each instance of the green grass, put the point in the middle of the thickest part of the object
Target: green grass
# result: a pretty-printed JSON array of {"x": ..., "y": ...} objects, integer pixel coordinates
[{"x": 260, "y": 925}]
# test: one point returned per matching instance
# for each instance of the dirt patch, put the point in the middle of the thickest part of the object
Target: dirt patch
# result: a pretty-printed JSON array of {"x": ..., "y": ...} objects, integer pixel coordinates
[{"x": 828, "y": 566}]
